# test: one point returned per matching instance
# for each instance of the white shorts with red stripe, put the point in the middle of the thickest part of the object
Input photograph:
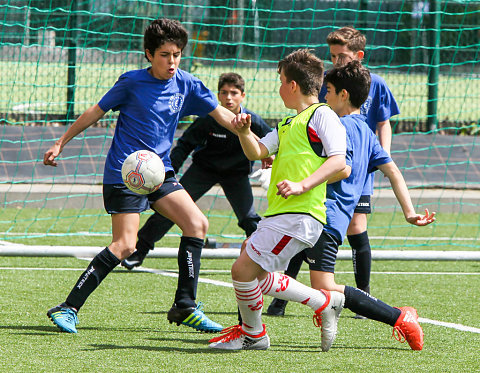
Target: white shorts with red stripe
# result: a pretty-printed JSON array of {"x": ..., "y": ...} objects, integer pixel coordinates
[{"x": 279, "y": 238}]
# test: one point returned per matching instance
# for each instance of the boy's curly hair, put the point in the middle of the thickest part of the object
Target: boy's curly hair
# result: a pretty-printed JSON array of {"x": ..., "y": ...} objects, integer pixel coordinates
[{"x": 164, "y": 30}]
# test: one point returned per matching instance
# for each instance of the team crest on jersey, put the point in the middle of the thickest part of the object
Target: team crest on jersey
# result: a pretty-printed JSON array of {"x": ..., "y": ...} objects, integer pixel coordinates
[
  {"x": 365, "y": 108},
  {"x": 175, "y": 103}
]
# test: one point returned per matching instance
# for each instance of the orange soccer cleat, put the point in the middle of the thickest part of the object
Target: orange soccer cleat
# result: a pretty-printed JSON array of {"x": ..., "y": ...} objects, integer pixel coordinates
[{"x": 408, "y": 329}]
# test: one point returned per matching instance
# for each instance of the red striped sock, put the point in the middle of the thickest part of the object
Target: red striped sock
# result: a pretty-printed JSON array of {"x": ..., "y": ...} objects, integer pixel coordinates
[
  {"x": 250, "y": 303},
  {"x": 284, "y": 287}
]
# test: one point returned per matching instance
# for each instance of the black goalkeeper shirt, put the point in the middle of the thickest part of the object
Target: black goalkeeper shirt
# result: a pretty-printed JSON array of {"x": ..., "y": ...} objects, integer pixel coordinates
[{"x": 215, "y": 148}]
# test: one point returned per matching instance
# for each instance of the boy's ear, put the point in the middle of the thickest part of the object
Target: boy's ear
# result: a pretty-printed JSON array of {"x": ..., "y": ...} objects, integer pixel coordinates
[
  {"x": 360, "y": 55},
  {"x": 149, "y": 55},
  {"x": 345, "y": 96},
  {"x": 293, "y": 85}
]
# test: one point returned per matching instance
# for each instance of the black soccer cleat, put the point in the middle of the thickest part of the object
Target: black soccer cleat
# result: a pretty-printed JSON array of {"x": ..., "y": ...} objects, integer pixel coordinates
[
  {"x": 277, "y": 307},
  {"x": 134, "y": 260}
]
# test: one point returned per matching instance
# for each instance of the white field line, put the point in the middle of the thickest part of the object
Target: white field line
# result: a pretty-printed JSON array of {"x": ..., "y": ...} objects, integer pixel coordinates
[
  {"x": 171, "y": 273},
  {"x": 450, "y": 325},
  {"x": 386, "y": 238},
  {"x": 174, "y": 272}
]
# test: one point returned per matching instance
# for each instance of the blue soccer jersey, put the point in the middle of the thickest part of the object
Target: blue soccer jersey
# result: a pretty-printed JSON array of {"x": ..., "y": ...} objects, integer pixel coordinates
[
  {"x": 364, "y": 154},
  {"x": 150, "y": 109},
  {"x": 378, "y": 107}
]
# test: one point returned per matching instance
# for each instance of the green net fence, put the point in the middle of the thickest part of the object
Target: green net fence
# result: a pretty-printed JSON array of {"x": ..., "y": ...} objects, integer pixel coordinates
[{"x": 57, "y": 58}]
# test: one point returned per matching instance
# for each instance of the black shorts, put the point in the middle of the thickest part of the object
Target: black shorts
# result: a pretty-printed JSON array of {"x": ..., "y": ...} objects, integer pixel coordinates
[
  {"x": 117, "y": 198},
  {"x": 363, "y": 205},
  {"x": 323, "y": 256}
]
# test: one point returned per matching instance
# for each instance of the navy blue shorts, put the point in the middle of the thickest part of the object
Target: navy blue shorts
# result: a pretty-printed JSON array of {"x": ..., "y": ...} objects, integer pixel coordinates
[
  {"x": 117, "y": 198},
  {"x": 323, "y": 256},
  {"x": 363, "y": 205}
]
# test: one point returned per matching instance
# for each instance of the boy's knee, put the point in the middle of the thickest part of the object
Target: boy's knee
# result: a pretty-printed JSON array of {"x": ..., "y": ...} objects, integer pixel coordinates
[
  {"x": 196, "y": 227},
  {"x": 201, "y": 225},
  {"x": 357, "y": 225},
  {"x": 236, "y": 272},
  {"x": 122, "y": 250}
]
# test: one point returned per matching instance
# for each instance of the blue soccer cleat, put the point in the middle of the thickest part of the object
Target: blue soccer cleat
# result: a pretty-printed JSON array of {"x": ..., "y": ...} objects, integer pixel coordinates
[
  {"x": 64, "y": 317},
  {"x": 194, "y": 318}
]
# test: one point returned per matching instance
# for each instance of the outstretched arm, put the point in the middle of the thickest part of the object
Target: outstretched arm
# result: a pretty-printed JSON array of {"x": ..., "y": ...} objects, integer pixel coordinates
[
  {"x": 400, "y": 189},
  {"x": 252, "y": 148},
  {"x": 223, "y": 117},
  {"x": 90, "y": 116}
]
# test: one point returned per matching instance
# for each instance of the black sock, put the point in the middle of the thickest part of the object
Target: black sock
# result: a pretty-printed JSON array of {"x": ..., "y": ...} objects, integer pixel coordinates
[
  {"x": 295, "y": 264},
  {"x": 97, "y": 270},
  {"x": 362, "y": 259},
  {"x": 152, "y": 231},
  {"x": 364, "y": 304},
  {"x": 189, "y": 254},
  {"x": 143, "y": 247}
]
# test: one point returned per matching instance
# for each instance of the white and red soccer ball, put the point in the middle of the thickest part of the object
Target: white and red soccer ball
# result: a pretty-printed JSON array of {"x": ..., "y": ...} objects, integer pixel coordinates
[{"x": 143, "y": 172}]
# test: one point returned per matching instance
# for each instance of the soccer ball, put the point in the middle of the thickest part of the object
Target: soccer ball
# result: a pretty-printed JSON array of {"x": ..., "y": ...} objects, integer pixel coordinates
[{"x": 143, "y": 172}]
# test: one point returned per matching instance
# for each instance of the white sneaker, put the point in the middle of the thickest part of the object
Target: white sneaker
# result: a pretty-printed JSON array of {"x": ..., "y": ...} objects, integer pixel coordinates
[
  {"x": 234, "y": 338},
  {"x": 327, "y": 317}
]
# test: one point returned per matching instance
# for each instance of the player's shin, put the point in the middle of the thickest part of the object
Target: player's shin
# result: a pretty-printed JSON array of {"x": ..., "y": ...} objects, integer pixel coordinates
[
  {"x": 284, "y": 287},
  {"x": 366, "y": 305},
  {"x": 189, "y": 254},
  {"x": 250, "y": 304},
  {"x": 101, "y": 265}
]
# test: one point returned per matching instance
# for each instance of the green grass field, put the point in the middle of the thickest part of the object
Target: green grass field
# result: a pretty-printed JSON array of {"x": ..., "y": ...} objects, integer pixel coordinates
[
  {"x": 88, "y": 227},
  {"x": 41, "y": 87},
  {"x": 123, "y": 325}
]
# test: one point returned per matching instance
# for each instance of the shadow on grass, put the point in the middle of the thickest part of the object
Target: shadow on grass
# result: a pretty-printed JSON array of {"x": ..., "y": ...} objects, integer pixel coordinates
[
  {"x": 197, "y": 344},
  {"x": 375, "y": 348},
  {"x": 31, "y": 329},
  {"x": 291, "y": 316},
  {"x": 291, "y": 347},
  {"x": 43, "y": 329},
  {"x": 165, "y": 312},
  {"x": 193, "y": 350},
  {"x": 198, "y": 349}
]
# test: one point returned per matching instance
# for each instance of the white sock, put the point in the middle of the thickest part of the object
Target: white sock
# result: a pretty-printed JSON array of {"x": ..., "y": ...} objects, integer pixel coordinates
[
  {"x": 284, "y": 287},
  {"x": 250, "y": 303}
]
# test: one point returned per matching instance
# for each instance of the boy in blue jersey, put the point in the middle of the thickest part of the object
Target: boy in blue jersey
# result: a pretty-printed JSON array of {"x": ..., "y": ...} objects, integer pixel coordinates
[
  {"x": 217, "y": 158},
  {"x": 310, "y": 148},
  {"x": 347, "y": 88},
  {"x": 150, "y": 103},
  {"x": 347, "y": 44}
]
